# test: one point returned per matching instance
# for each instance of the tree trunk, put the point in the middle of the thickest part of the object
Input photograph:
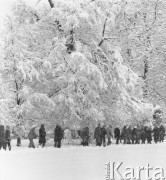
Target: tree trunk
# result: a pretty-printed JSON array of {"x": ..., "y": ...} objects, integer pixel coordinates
[
  {"x": 145, "y": 88},
  {"x": 51, "y": 3}
]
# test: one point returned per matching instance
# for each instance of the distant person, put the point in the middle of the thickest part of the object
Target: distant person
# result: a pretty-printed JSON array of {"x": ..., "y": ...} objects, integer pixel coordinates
[
  {"x": 129, "y": 134},
  {"x": 18, "y": 140},
  {"x": 85, "y": 136},
  {"x": 103, "y": 135},
  {"x": 117, "y": 134},
  {"x": 138, "y": 135},
  {"x": 2, "y": 137},
  {"x": 20, "y": 133},
  {"x": 124, "y": 135},
  {"x": 31, "y": 136},
  {"x": 149, "y": 135},
  {"x": 161, "y": 133},
  {"x": 109, "y": 134},
  {"x": 42, "y": 136},
  {"x": 7, "y": 138},
  {"x": 143, "y": 135},
  {"x": 156, "y": 134},
  {"x": 133, "y": 135},
  {"x": 58, "y": 135},
  {"x": 97, "y": 135}
]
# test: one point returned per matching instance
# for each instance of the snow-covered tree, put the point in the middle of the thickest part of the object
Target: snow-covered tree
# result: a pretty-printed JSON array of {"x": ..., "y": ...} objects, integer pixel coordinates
[{"x": 63, "y": 63}]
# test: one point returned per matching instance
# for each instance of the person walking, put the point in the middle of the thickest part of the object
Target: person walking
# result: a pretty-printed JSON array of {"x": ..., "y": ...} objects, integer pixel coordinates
[
  {"x": 98, "y": 135},
  {"x": 7, "y": 138},
  {"x": 156, "y": 134},
  {"x": 42, "y": 136},
  {"x": 117, "y": 134},
  {"x": 85, "y": 136},
  {"x": 2, "y": 137},
  {"x": 124, "y": 134},
  {"x": 58, "y": 135},
  {"x": 32, "y": 135},
  {"x": 143, "y": 135},
  {"x": 109, "y": 134},
  {"x": 161, "y": 133},
  {"x": 149, "y": 135},
  {"x": 103, "y": 135}
]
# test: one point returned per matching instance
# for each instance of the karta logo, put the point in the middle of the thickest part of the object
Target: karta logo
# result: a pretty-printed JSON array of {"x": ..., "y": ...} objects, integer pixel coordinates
[{"x": 117, "y": 171}]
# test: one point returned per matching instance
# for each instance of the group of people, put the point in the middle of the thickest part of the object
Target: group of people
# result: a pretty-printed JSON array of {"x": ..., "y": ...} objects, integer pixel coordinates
[
  {"x": 139, "y": 134},
  {"x": 103, "y": 135},
  {"x": 58, "y": 135},
  {"x": 5, "y": 138},
  {"x": 100, "y": 135},
  {"x": 128, "y": 135}
]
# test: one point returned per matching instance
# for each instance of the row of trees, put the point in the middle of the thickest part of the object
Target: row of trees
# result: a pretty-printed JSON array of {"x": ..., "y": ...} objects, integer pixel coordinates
[{"x": 81, "y": 61}]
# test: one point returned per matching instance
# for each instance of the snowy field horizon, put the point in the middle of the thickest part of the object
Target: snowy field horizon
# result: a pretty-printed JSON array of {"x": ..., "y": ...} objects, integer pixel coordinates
[{"x": 77, "y": 162}]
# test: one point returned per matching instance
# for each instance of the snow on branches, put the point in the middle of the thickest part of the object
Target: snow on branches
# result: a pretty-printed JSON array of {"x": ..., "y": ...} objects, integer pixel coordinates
[{"x": 65, "y": 65}]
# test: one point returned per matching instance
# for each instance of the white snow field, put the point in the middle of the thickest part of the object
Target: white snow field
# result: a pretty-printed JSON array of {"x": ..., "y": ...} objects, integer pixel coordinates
[{"x": 75, "y": 162}]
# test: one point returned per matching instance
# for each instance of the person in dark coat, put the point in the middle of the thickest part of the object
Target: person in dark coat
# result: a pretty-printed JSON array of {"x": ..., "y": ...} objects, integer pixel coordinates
[
  {"x": 161, "y": 133},
  {"x": 7, "y": 138},
  {"x": 124, "y": 134},
  {"x": 149, "y": 135},
  {"x": 133, "y": 135},
  {"x": 32, "y": 135},
  {"x": 42, "y": 136},
  {"x": 156, "y": 134},
  {"x": 85, "y": 136},
  {"x": 117, "y": 134},
  {"x": 143, "y": 135},
  {"x": 58, "y": 135},
  {"x": 103, "y": 135},
  {"x": 129, "y": 132},
  {"x": 138, "y": 135},
  {"x": 2, "y": 137},
  {"x": 98, "y": 135}
]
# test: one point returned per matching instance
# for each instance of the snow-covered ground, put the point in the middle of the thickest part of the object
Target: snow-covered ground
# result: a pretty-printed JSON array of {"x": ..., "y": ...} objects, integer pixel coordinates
[{"x": 75, "y": 162}]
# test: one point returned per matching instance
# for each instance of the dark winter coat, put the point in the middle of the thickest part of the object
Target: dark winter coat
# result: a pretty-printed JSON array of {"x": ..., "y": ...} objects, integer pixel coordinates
[
  {"x": 124, "y": 132},
  {"x": 117, "y": 133},
  {"x": 149, "y": 134},
  {"x": 103, "y": 132},
  {"x": 85, "y": 135},
  {"x": 156, "y": 131},
  {"x": 138, "y": 135},
  {"x": 134, "y": 133},
  {"x": 162, "y": 130},
  {"x": 161, "y": 133},
  {"x": 2, "y": 133},
  {"x": 98, "y": 134},
  {"x": 143, "y": 134},
  {"x": 7, "y": 135},
  {"x": 58, "y": 133},
  {"x": 42, "y": 135},
  {"x": 129, "y": 132},
  {"x": 156, "y": 134}
]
